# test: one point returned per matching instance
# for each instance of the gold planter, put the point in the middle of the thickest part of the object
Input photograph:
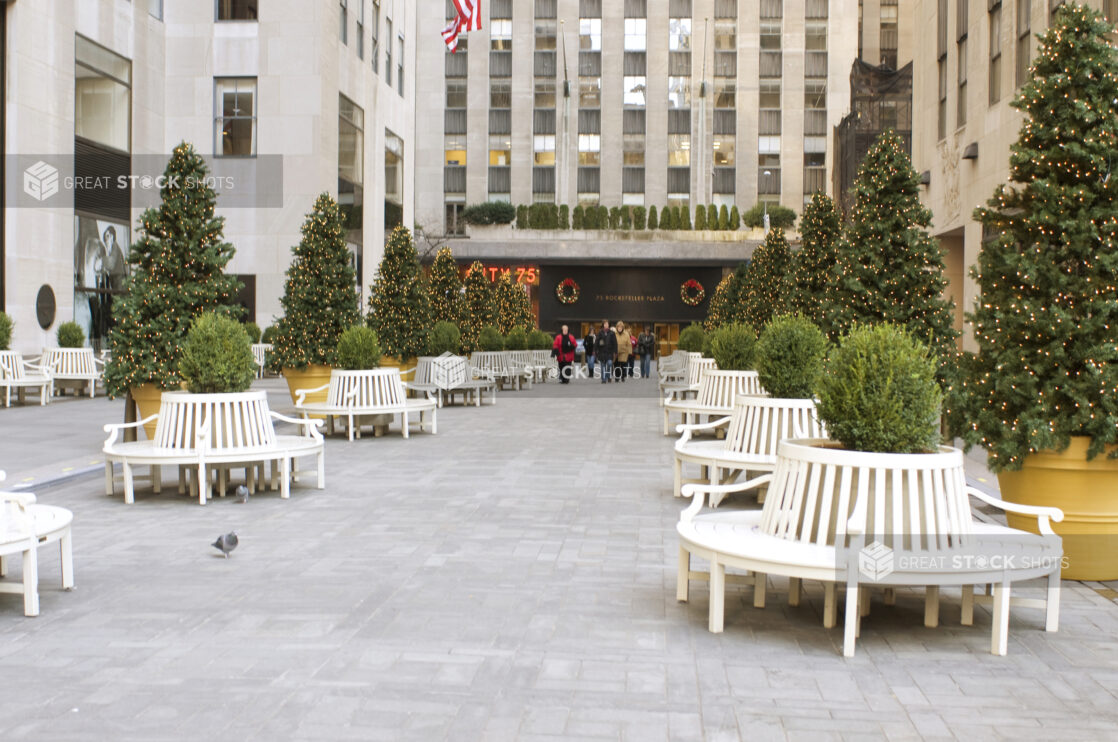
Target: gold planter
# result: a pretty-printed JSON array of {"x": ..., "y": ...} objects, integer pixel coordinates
[
  {"x": 1087, "y": 492},
  {"x": 311, "y": 377},
  {"x": 147, "y": 398}
]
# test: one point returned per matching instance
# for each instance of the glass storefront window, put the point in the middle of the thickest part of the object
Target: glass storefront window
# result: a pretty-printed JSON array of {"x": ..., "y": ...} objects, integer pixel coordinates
[
  {"x": 102, "y": 95},
  {"x": 100, "y": 268}
]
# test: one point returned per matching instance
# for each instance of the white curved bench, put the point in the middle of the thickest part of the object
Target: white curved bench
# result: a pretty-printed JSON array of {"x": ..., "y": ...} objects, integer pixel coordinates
[
  {"x": 831, "y": 513},
  {"x": 24, "y": 527},
  {"x": 521, "y": 363},
  {"x": 456, "y": 369},
  {"x": 260, "y": 356},
  {"x": 672, "y": 367},
  {"x": 544, "y": 365},
  {"x": 689, "y": 384},
  {"x": 18, "y": 374},
  {"x": 73, "y": 364},
  {"x": 213, "y": 432},
  {"x": 717, "y": 392},
  {"x": 357, "y": 394},
  {"x": 753, "y": 429}
]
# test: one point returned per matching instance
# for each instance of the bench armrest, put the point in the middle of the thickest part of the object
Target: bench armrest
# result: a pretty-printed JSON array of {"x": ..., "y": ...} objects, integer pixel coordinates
[
  {"x": 310, "y": 426},
  {"x": 301, "y": 394},
  {"x": 698, "y": 493},
  {"x": 21, "y": 499},
  {"x": 689, "y": 430},
  {"x": 113, "y": 429},
  {"x": 1043, "y": 514}
]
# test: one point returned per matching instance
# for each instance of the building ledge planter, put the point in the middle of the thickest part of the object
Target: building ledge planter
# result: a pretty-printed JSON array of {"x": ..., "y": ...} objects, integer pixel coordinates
[{"x": 1087, "y": 492}]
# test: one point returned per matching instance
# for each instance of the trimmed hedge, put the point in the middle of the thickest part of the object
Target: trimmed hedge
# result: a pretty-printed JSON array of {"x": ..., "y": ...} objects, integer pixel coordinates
[
  {"x": 216, "y": 356},
  {"x": 70, "y": 335},
  {"x": 733, "y": 347},
  {"x": 490, "y": 212},
  {"x": 445, "y": 338},
  {"x": 790, "y": 354},
  {"x": 359, "y": 349},
  {"x": 691, "y": 338}
]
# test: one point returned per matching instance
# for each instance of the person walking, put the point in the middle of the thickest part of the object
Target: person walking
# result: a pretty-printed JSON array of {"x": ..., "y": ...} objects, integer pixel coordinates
[
  {"x": 646, "y": 347},
  {"x": 588, "y": 348},
  {"x": 624, "y": 351},
  {"x": 564, "y": 350},
  {"x": 605, "y": 348}
]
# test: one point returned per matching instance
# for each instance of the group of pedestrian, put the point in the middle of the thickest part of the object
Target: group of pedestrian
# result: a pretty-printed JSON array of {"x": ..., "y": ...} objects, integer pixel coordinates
[{"x": 614, "y": 351}]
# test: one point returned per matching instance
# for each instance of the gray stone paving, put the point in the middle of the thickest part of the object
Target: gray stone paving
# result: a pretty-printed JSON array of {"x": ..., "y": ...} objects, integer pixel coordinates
[{"x": 512, "y": 577}]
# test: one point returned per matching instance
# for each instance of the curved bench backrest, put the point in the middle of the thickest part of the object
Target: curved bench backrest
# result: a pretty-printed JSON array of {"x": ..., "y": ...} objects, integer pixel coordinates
[
  {"x": 11, "y": 364},
  {"x": 696, "y": 368},
  {"x": 260, "y": 353},
  {"x": 423, "y": 370},
  {"x": 916, "y": 502},
  {"x": 519, "y": 360},
  {"x": 721, "y": 388},
  {"x": 234, "y": 420},
  {"x": 378, "y": 387},
  {"x": 491, "y": 361},
  {"x": 759, "y": 424},
  {"x": 70, "y": 361},
  {"x": 541, "y": 357}
]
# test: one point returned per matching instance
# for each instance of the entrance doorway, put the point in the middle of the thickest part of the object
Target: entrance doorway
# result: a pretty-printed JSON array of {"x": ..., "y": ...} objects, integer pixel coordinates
[{"x": 667, "y": 338}]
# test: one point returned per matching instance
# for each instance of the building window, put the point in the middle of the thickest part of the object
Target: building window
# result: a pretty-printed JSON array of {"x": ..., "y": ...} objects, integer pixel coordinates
[
  {"x": 590, "y": 92},
  {"x": 889, "y": 33},
  {"x": 236, "y": 116},
  {"x": 455, "y": 93},
  {"x": 102, "y": 95},
  {"x": 636, "y": 40},
  {"x": 961, "y": 94},
  {"x": 590, "y": 34},
  {"x": 995, "y": 53},
  {"x": 155, "y": 9},
  {"x": 679, "y": 150},
  {"x": 374, "y": 46},
  {"x": 351, "y": 151},
  {"x": 679, "y": 92},
  {"x": 360, "y": 29},
  {"x": 633, "y": 150},
  {"x": 544, "y": 95},
  {"x": 388, "y": 51},
  {"x": 543, "y": 149},
  {"x": 724, "y": 151},
  {"x": 235, "y": 10},
  {"x": 393, "y": 180},
  {"x": 500, "y": 34},
  {"x": 1024, "y": 34},
  {"x": 400, "y": 65},
  {"x": 343, "y": 21},
  {"x": 589, "y": 149},
  {"x": 455, "y": 225},
  {"x": 455, "y": 148},
  {"x": 500, "y": 150},
  {"x": 941, "y": 127},
  {"x": 635, "y": 90}
]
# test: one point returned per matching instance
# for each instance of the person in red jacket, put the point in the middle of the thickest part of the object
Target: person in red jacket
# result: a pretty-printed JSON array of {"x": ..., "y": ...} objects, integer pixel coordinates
[{"x": 564, "y": 351}]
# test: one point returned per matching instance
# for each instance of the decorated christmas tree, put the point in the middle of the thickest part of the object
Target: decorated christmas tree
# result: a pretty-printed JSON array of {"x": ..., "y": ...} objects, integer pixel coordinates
[
  {"x": 177, "y": 273},
  {"x": 810, "y": 274},
  {"x": 1046, "y": 323},
  {"x": 762, "y": 292},
  {"x": 320, "y": 299},
  {"x": 511, "y": 307},
  {"x": 445, "y": 284},
  {"x": 720, "y": 308},
  {"x": 399, "y": 306},
  {"x": 891, "y": 269},
  {"x": 477, "y": 306}
]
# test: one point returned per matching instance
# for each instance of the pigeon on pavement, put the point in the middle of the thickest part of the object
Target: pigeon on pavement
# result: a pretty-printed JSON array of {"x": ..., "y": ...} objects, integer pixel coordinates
[
  {"x": 242, "y": 494},
  {"x": 226, "y": 543}
]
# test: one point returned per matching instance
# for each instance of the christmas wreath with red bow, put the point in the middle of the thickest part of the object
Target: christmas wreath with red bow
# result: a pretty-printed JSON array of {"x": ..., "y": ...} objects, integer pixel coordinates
[
  {"x": 692, "y": 293},
  {"x": 567, "y": 291}
]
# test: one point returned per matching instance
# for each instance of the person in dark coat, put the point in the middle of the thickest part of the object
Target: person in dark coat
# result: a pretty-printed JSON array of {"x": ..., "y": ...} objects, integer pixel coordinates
[
  {"x": 588, "y": 347},
  {"x": 605, "y": 348},
  {"x": 564, "y": 350}
]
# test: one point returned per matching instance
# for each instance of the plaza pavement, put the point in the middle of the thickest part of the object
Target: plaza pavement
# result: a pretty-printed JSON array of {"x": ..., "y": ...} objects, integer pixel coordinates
[{"x": 512, "y": 577}]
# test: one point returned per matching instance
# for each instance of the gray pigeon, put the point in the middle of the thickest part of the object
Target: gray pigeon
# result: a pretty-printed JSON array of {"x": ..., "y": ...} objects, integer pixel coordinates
[
  {"x": 226, "y": 543},
  {"x": 242, "y": 493}
]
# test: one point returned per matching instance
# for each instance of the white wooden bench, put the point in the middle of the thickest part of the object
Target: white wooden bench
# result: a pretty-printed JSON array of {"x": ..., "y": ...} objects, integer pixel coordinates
[
  {"x": 73, "y": 364},
  {"x": 544, "y": 365},
  {"x": 830, "y": 514},
  {"x": 368, "y": 393},
  {"x": 688, "y": 386},
  {"x": 18, "y": 374},
  {"x": 457, "y": 369},
  {"x": 716, "y": 395},
  {"x": 213, "y": 432},
  {"x": 260, "y": 353},
  {"x": 521, "y": 363},
  {"x": 24, "y": 527},
  {"x": 494, "y": 365},
  {"x": 754, "y": 428}
]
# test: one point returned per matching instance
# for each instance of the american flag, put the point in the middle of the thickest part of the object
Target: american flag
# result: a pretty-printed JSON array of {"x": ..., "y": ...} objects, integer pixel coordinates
[{"x": 467, "y": 19}]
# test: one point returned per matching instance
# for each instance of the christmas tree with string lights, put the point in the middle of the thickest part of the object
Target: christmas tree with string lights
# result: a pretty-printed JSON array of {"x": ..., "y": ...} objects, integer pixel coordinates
[
  {"x": 177, "y": 272},
  {"x": 477, "y": 306},
  {"x": 762, "y": 291},
  {"x": 1046, "y": 322},
  {"x": 445, "y": 283},
  {"x": 890, "y": 269},
  {"x": 511, "y": 306},
  {"x": 727, "y": 306},
  {"x": 809, "y": 276},
  {"x": 399, "y": 305},
  {"x": 320, "y": 299}
]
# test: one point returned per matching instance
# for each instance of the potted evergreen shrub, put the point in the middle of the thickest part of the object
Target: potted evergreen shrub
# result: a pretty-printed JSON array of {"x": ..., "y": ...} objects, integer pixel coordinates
[
  {"x": 691, "y": 338},
  {"x": 789, "y": 357},
  {"x": 400, "y": 303},
  {"x": 733, "y": 347},
  {"x": 490, "y": 339},
  {"x": 445, "y": 338},
  {"x": 6, "y": 326},
  {"x": 516, "y": 339},
  {"x": 320, "y": 302},
  {"x": 177, "y": 272},
  {"x": 1041, "y": 394},
  {"x": 253, "y": 331},
  {"x": 359, "y": 349},
  {"x": 216, "y": 356},
  {"x": 70, "y": 335}
]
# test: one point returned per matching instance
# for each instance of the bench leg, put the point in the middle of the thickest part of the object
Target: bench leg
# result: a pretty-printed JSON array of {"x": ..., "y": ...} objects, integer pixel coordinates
[
  {"x": 677, "y": 471},
  {"x": 222, "y": 479},
  {"x": 760, "y": 583},
  {"x": 182, "y": 480},
  {"x": 999, "y": 640},
  {"x": 850, "y": 629},
  {"x": 203, "y": 485},
  {"x": 109, "y": 478},
  {"x": 31, "y": 581},
  {"x": 434, "y": 422},
  {"x": 795, "y": 590},
  {"x": 3, "y": 566},
  {"x": 285, "y": 481},
  {"x": 350, "y": 417},
  {"x": 830, "y": 606},
  {"x": 667, "y": 415},
  {"x": 717, "y": 597},
  {"x": 1052, "y": 604},
  {"x": 967, "y": 618},
  {"x": 157, "y": 478},
  {"x": 864, "y": 603},
  {"x": 129, "y": 484},
  {"x": 931, "y": 606},
  {"x": 683, "y": 576},
  {"x": 404, "y": 423},
  {"x": 66, "y": 548}
]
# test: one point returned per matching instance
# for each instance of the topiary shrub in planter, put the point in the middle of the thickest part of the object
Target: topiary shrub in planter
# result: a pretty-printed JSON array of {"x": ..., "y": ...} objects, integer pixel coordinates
[
  {"x": 878, "y": 392},
  {"x": 253, "y": 331},
  {"x": 445, "y": 338},
  {"x": 539, "y": 340},
  {"x": 691, "y": 338},
  {"x": 733, "y": 347},
  {"x": 564, "y": 217},
  {"x": 490, "y": 212},
  {"x": 359, "y": 349},
  {"x": 700, "y": 217},
  {"x": 490, "y": 339},
  {"x": 653, "y": 222},
  {"x": 639, "y": 217},
  {"x": 517, "y": 339},
  {"x": 70, "y": 335},
  {"x": 268, "y": 335},
  {"x": 217, "y": 356},
  {"x": 6, "y": 326},
  {"x": 735, "y": 218},
  {"x": 577, "y": 218},
  {"x": 789, "y": 357}
]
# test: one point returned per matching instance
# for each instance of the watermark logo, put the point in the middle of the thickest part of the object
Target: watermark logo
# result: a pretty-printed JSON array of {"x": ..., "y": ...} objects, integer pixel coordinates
[
  {"x": 876, "y": 561},
  {"x": 448, "y": 371},
  {"x": 40, "y": 181}
]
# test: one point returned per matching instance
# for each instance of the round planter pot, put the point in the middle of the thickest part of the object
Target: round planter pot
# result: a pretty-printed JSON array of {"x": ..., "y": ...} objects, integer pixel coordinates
[
  {"x": 1087, "y": 492},
  {"x": 147, "y": 398},
  {"x": 311, "y": 377},
  {"x": 403, "y": 364}
]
